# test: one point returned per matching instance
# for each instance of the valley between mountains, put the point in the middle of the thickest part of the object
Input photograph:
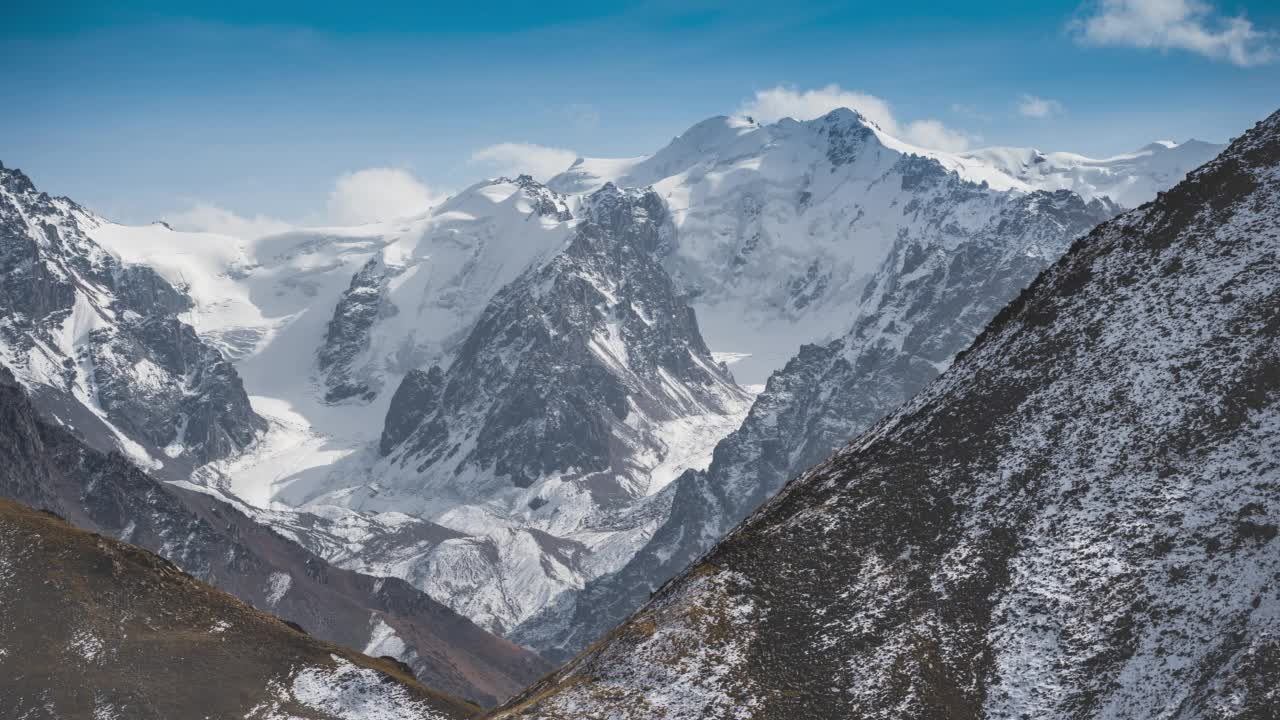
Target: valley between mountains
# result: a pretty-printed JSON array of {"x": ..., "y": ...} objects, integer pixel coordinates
[{"x": 598, "y": 412}]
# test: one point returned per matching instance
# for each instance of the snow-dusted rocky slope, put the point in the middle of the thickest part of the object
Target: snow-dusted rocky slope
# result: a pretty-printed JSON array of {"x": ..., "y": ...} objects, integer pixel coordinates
[
  {"x": 927, "y": 302},
  {"x": 47, "y": 467},
  {"x": 102, "y": 345},
  {"x": 1079, "y": 518},
  {"x": 93, "y": 628}
]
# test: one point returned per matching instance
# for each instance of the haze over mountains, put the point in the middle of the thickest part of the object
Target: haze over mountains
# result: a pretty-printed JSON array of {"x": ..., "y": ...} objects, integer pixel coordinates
[{"x": 532, "y": 405}]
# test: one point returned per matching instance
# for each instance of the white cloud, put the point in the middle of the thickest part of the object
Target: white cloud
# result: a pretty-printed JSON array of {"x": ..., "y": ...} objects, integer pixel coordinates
[
  {"x": 776, "y": 103},
  {"x": 1190, "y": 25},
  {"x": 207, "y": 217},
  {"x": 357, "y": 198},
  {"x": 1038, "y": 107},
  {"x": 512, "y": 159},
  {"x": 378, "y": 194}
]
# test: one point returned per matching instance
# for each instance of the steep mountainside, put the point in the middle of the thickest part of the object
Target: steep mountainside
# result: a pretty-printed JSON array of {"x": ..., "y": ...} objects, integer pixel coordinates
[
  {"x": 1079, "y": 519},
  {"x": 925, "y": 304},
  {"x": 94, "y": 628},
  {"x": 101, "y": 344},
  {"x": 45, "y": 466},
  {"x": 572, "y": 367}
]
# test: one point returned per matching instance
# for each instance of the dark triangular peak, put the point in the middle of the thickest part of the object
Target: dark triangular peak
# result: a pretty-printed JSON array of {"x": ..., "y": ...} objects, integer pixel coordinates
[
  {"x": 1081, "y": 518},
  {"x": 568, "y": 367}
]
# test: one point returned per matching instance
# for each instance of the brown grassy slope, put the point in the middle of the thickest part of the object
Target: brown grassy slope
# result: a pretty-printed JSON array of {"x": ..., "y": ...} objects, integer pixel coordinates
[{"x": 88, "y": 622}]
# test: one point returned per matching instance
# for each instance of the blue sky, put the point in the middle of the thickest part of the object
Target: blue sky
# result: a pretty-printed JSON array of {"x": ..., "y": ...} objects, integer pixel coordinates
[{"x": 147, "y": 109}]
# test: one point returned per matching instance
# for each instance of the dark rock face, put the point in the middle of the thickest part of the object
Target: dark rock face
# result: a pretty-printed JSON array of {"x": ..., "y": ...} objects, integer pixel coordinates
[
  {"x": 102, "y": 342},
  {"x": 357, "y": 311},
  {"x": 98, "y": 628},
  {"x": 548, "y": 378},
  {"x": 417, "y": 398},
  {"x": 925, "y": 304},
  {"x": 847, "y": 133},
  {"x": 49, "y": 468},
  {"x": 1077, "y": 520}
]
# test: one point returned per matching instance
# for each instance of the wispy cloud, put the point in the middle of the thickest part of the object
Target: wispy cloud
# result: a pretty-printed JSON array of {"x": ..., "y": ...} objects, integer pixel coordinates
[
  {"x": 1038, "y": 107},
  {"x": 1189, "y": 25},
  {"x": 357, "y": 198},
  {"x": 512, "y": 159},
  {"x": 207, "y": 217},
  {"x": 779, "y": 102},
  {"x": 378, "y": 194}
]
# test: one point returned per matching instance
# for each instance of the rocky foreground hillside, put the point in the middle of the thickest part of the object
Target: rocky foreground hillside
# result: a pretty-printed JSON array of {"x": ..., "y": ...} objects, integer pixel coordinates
[
  {"x": 48, "y": 467},
  {"x": 94, "y": 628},
  {"x": 1079, "y": 519}
]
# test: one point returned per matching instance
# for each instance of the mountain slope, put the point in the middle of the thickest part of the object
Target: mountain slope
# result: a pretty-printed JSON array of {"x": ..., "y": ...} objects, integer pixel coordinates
[
  {"x": 926, "y": 303},
  {"x": 1078, "y": 519},
  {"x": 95, "y": 628},
  {"x": 47, "y": 467}
]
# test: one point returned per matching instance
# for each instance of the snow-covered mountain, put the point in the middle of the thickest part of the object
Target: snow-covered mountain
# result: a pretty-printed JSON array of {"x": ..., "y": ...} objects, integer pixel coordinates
[
  {"x": 560, "y": 414},
  {"x": 102, "y": 345},
  {"x": 1079, "y": 518},
  {"x": 780, "y": 226}
]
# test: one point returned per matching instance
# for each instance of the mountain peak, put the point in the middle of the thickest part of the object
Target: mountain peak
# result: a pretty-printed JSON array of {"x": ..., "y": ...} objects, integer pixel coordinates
[
  {"x": 848, "y": 116},
  {"x": 14, "y": 180}
]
